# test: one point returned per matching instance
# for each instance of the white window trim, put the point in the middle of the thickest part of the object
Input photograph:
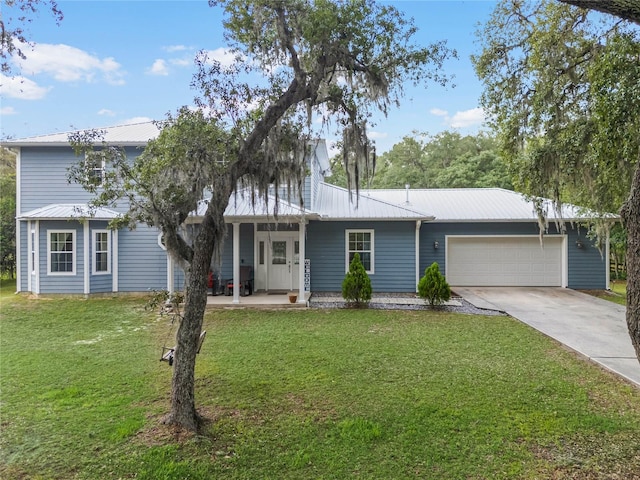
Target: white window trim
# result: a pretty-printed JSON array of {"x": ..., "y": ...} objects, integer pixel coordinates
[
  {"x": 74, "y": 253},
  {"x": 346, "y": 248},
  {"x": 94, "y": 265}
]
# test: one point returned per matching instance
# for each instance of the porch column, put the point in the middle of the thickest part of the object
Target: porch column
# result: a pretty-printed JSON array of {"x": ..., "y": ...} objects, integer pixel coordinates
[
  {"x": 236, "y": 263},
  {"x": 301, "y": 256}
]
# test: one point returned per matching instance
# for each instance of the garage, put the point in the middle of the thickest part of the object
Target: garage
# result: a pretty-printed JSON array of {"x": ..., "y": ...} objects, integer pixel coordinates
[{"x": 504, "y": 261}]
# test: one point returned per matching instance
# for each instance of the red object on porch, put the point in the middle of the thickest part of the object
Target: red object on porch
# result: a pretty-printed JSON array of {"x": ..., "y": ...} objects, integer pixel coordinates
[{"x": 246, "y": 282}]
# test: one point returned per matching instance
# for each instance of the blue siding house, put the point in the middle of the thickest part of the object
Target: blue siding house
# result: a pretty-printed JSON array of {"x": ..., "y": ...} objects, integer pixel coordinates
[{"x": 479, "y": 237}]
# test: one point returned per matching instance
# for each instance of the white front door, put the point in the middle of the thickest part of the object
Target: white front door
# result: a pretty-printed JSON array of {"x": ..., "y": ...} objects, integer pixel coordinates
[
  {"x": 280, "y": 264},
  {"x": 283, "y": 267}
]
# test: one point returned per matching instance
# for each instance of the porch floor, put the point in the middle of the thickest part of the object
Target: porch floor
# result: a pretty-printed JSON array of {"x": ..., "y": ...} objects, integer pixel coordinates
[{"x": 257, "y": 300}]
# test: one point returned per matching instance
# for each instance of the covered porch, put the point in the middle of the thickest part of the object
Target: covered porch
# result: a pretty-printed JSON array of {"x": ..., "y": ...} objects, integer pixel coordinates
[
  {"x": 259, "y": 300},
  {"x": 263, "y": 261}
]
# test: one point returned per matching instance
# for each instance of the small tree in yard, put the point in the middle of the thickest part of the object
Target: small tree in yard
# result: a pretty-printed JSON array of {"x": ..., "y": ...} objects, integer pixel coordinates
[
  {"x": 433, "y": 287},
  {"x": 356, "y": 286}
]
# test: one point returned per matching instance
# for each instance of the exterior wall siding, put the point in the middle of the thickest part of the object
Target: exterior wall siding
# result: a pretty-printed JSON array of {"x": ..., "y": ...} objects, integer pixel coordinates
[
  {"x": 587, "y": 268},
  {"x": 587, "y": 265},
  {"x": 24, "y": 257},
  {"x": 142, "y": 263},
  {"x": 246, "y": 250},
  {"x": 394, "y": 250},
  {"x": 43, "y": 175}
]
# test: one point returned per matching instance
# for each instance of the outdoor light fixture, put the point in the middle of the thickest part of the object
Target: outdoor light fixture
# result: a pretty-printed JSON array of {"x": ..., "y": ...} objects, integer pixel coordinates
[
  {"x": 579, "y": 243},
  {"x": 436, "y": 245}
]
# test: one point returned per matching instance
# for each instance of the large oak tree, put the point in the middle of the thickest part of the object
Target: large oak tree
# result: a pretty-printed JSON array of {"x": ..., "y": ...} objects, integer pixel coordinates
[
  {"x": 562, "y": 87},
  {"x": 296, "y": 61}
]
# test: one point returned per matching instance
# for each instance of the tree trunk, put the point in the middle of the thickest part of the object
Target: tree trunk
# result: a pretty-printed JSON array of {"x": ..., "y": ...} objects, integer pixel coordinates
[
  {"x": 183, "y": 409},
  {"x": 630, "y": 213}
]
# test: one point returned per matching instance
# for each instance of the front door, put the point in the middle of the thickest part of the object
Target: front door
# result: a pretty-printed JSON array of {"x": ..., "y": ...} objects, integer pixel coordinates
[
  {"x": 280, "y": 265},
  {"x": 284, "y": 263}
]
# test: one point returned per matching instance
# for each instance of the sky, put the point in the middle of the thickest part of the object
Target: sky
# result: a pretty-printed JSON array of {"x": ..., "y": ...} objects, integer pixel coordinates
[{"x": 115, "y": 62}]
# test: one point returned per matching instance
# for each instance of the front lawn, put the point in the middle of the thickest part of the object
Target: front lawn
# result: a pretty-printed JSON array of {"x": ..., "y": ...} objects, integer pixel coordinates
[{"x": 305, "y": 394}]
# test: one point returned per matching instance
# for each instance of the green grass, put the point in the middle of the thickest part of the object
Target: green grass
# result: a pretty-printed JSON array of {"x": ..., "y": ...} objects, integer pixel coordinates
[
  {"x": 305, "y": 394},
  {"x": 617, "y": 294}
]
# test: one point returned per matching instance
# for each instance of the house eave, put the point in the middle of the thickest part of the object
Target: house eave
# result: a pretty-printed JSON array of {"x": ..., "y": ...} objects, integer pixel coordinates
[{"x": 193, "y": 219}]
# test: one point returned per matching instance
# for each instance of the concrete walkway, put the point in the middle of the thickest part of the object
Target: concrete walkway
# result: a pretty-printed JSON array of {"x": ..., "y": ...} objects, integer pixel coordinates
[{"x": 591, "y": 326}]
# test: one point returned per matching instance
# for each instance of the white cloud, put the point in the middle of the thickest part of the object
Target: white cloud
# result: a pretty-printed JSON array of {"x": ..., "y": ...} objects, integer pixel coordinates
[
  {"x": 181, "y": 62},
  {"x": 223, "y": 55},
  {"x": 107, "y": 112},
  {"x": 439, "y": 112},
  {"x": 460, "y": 119},
  {"x": 159, "y": 67},
  {"x": 8, "y": 111},
  {"x": 175, "y": 48},
  {"x": 467, "y": 118},
  {"x": 22, "y": 88},
  {"x": 70, "y": 64}
]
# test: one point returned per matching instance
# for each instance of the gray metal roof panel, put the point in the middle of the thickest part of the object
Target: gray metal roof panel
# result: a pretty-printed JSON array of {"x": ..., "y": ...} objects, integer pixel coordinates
[
  {"x": 135, "y": 134},
  {"x": 337, "y": 203},
  {"x": 242, "y": 207},
  {"x": 474, "y": 204},
  {"x": 67, "y": 211}
]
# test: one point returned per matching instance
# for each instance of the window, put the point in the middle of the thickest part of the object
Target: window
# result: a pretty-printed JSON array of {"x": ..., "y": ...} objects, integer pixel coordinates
[
  {"x": 360, "y": 242},
  {"x": 61, "y": 252},
  {"x": 101, "y": 252},
  {"x": 34, "y": 267},
  {"x": 279, "y": 253},
  {"x": 94, "y": 166},
  {"x": 261, "y": 253}
]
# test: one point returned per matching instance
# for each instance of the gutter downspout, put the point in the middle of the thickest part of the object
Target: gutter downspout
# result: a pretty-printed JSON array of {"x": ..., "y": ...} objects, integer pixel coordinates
[
  {"x": 418, "y": 225},
  {"x": 86, "y": 260},
  {"x": 17, "y": 153},
  {"x": 607, "y": 262}
]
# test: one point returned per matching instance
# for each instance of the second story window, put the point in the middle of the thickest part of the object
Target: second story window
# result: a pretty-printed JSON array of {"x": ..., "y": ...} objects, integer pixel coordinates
[{"x": 94, "y": 167}]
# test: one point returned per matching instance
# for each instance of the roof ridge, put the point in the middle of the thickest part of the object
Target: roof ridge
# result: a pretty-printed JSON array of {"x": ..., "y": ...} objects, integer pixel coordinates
[{"x": 418, "y": 212}]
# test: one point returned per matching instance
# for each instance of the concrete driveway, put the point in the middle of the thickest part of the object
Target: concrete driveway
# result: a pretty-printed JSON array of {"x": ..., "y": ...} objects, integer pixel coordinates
[{"x": 592, "y": 327}]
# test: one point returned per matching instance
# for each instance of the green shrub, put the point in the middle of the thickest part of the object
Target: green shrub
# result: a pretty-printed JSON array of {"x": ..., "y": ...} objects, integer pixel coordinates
[
  {"x": 433, "y": 287},
  {"x": 356, "y": 286}
]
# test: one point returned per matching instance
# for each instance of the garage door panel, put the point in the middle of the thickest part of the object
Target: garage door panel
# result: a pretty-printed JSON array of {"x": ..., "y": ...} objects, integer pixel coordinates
[{"x": 504, "y": 261}]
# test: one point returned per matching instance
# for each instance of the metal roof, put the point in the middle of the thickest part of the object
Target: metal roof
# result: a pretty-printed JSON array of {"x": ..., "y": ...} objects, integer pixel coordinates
[
  {"x": 135, "y": 134},
  {"x": 242, "y": 208},
  {"x": 336, "y": 203},
  {"x": 475, "y": 204},
  {"x": 69, "y": 212}
]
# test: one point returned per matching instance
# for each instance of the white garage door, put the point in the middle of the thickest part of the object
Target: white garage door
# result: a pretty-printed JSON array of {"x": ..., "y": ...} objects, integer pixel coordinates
[{"x": 504, "y": 261}]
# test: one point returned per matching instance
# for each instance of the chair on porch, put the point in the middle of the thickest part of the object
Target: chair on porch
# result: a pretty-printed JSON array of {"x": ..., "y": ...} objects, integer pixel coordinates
[{"x": 246, "y": 282}]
